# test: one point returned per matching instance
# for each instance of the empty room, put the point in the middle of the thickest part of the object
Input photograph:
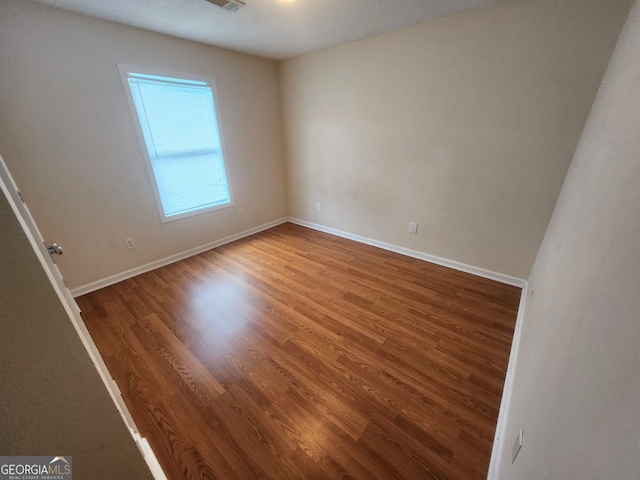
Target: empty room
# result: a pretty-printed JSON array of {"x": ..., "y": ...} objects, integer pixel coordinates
[{"x": 305, "y": 239}]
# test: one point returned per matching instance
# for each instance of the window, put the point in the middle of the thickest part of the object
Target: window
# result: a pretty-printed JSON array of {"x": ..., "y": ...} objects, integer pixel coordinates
[{"x": 178, "y": 125}]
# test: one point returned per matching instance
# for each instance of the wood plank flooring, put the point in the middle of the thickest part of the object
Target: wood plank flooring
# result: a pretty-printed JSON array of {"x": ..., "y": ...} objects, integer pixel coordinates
[{"x": 294, "y": 354}]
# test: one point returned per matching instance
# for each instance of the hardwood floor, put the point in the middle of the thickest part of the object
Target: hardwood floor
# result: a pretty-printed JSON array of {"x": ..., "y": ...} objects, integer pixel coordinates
[{"x": 297, "y": 354}]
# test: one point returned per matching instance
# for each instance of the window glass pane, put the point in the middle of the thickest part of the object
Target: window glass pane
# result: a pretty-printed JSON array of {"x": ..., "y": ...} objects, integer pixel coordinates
[{"x": 180, "y": 129}]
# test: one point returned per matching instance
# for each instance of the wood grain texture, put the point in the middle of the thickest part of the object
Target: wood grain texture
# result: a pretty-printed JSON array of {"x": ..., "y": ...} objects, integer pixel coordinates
[{"x": 297, "y": 354}]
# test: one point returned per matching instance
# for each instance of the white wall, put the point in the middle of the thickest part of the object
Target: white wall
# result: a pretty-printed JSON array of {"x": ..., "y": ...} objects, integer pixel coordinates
[
  {"x": 577, "y": 381},
  {"x": 68, "y": 138},
  {"x": 466, "y": 125}
]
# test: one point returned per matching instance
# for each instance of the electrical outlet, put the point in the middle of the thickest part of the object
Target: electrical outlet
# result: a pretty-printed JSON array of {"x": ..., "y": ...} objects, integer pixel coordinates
[
  {"x": 255, "y": 208},
  {"x": 129, "y": 243},
  {"x": 413, "y": 228},
  {"x": 318, "y": 207},
  {"x": 517, "y": 445},
  {"x": 240, "y": 212}
]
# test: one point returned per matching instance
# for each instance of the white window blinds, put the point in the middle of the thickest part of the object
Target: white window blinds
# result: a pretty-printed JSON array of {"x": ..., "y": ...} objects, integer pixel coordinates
[{"x": 180, "y": 128}]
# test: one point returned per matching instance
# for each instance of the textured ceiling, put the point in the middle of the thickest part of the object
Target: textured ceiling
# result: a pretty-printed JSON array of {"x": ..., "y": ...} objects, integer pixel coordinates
[{"x": 269, "y": 28}]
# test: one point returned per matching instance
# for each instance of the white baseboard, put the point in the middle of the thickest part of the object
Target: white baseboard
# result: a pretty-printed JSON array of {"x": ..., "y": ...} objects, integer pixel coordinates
[
  {"x": 119, "y": 277},
  {"x": 149, "y": 457},
  {"x": 481, "y": 272},
  {"x": 463, "y": 267},
  {"x": 505, "y": 403}
]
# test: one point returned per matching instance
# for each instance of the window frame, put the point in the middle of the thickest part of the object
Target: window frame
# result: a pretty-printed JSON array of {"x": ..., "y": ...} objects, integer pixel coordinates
[{"x": 124, "y": 70}]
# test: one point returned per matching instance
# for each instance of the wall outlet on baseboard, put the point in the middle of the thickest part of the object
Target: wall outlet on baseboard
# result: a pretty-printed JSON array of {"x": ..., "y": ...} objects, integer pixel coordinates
[
  {"x": 517, "y": 445},
  {"x": 318, "y": 207},
  {"x": 413, "y": 228},
  {"x": 129, "y": 243},
  {"x": 240, "y": 212}
]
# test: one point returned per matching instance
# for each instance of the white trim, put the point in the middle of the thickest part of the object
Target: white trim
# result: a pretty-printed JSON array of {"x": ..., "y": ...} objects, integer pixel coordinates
[
  {"x": 462, "y": 267},
  {"x": 8, "y": 187},
  {"x": 119, "y": 277},
  {"x": 505, "y": 403},
  {"x": 150, "y": 457},
  {"x": 124, "y": 70},
  {"x": 481, "y": 272}
]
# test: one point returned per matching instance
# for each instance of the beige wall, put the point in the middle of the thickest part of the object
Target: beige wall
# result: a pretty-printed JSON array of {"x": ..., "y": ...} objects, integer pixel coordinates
[
  {"x": 67, "y": 136},
  {"x": 577, "y": 383},
  {"x": 466, "y": 125}
]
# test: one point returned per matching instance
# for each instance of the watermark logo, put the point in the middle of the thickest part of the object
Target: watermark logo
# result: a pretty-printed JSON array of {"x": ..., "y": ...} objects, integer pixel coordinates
[{"x": 36, "y": 468}]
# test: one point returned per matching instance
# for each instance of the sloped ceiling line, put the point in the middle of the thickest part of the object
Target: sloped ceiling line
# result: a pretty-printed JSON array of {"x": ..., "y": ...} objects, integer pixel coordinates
[{"x": 275, "y": 29}]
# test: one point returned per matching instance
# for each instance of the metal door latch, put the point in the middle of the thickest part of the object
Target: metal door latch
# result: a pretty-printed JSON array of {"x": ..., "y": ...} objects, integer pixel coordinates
[{"x": 54, "y": 249}]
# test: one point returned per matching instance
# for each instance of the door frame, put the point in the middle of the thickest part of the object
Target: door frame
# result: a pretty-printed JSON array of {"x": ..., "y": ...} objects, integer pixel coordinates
[{"x": 30, "y": 228}]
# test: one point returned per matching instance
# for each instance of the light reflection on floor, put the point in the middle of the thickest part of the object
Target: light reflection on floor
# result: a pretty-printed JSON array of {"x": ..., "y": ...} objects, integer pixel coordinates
[{"x": 210, "y": 307}]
